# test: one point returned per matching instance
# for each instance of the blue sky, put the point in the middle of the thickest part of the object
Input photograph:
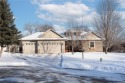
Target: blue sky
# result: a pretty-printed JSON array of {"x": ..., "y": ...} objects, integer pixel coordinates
[{"x": 55, "y": 12}]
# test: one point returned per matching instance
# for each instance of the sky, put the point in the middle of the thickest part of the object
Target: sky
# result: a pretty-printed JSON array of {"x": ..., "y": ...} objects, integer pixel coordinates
[{"x": 56, "y": 12}]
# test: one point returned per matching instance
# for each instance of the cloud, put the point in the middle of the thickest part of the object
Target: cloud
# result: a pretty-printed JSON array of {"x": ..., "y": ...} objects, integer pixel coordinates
[
  {"x": 59, "y": 13},
  {"x": 121, "y": 3},
  {"x": 68, "y": 8},
  {"x": 62, "y": 12},
  {"x": 59, "y": 28},
  {"x": 40, "y": 1}
]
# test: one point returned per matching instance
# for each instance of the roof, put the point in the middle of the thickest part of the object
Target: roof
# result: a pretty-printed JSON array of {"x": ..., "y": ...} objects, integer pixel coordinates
[
  {"x": 83, "y": 36},
  {"x": 32, "y": 36},
  {"x": 38, "y": 36}
]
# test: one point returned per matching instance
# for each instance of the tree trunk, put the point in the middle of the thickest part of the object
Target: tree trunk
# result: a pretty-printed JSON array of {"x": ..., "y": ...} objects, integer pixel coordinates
[
  {"x": 72, "y": 48},
  {"x": 82, "y": 55},
  {"x": 1, "y": 51},
  {"x": 106, "y": 50},
  {"x": 82, "y": 49}
]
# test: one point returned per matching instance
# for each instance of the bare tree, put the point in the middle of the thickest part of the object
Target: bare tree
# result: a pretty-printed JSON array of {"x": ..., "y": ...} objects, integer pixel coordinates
[
  {"x": 31, "y": 28},
  {"x": 71, "y": 25},
  {"x": 44, "y": 27},
  {"x": 80, "y": 38},
  {"x": 108, "y": 23},
  {"x": 74, "y": 33}
]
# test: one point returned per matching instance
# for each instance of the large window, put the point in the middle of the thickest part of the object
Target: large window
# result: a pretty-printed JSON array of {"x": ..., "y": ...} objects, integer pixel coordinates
[{"x": 92, "y": 44}]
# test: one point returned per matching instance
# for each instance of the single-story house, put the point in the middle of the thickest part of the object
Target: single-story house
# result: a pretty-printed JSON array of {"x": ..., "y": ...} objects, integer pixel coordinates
[{"x": 52, "y": 42}]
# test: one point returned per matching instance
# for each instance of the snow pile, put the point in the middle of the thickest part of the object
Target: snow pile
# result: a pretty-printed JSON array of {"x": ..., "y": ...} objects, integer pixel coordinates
[{"x": 111, "y": 62}]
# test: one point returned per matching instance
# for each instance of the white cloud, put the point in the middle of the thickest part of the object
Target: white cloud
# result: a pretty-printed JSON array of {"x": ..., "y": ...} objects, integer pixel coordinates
[
  {"x": 123, "y": 14},
  {"x": 122, "y": 3},
  {"x": 40, "y": 1},
  {"x": 62, "y": 12},
  {"x": 65, "y": 9},
  {"x": 59, "y": 28},
  {"x": 59, "y": 13}
]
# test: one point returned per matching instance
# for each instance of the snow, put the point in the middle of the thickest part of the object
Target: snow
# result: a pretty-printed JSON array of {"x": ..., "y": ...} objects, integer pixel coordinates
[
  {"x": 8, "y": 60},
  {"x": 33, "y": 36},
  {"x": 112, "y": 66},
  {"x": 16, "y": 79},
  {"x": 37, "y": 36},
  {"x": 111, "y": 62}
]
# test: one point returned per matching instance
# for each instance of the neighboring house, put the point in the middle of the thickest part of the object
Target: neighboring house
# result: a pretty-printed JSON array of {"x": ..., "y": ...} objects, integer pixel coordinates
[
  {"x": 43, "y": 42},
  {"x": 90, "y": 41}
]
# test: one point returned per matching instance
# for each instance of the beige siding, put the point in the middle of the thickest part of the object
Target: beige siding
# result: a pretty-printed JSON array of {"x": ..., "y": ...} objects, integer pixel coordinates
[
  {"x": 28, "y": 47},
  {"x": 97, "y": 48},
  {"x": 98, "y": 45},
  {"x": 51, "y": 46},
  {"x": 50, "y": 34},
  {"x": 43, "y": 47},
  {"x": 92, "y": 36}
]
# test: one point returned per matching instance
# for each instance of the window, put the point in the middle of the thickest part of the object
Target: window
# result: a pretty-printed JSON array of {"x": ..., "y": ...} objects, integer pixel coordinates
[
  {"x": 74, "y": 34},
  {"x": 92, "y": 44}
]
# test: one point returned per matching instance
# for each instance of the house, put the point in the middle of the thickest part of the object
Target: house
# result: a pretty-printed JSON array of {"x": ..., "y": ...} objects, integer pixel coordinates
[
  {"x": 52, "y": 42},
  {"x": 43, "y": 42},
  {"x": 90, "y": 42}
]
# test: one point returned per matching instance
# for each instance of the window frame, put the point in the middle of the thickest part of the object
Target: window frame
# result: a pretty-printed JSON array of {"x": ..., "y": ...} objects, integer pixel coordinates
[{"x": 90, "y": 44}]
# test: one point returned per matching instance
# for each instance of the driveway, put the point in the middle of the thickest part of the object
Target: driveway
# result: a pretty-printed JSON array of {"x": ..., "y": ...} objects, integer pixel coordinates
[{"x": 43, "y": 75}]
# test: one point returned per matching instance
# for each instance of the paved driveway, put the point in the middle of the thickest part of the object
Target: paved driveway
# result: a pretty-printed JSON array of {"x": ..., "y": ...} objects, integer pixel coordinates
[{"x": 42, "y": 75}]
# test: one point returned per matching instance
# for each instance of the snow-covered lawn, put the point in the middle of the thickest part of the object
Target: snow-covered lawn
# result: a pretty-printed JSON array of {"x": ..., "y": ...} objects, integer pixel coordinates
[
  {"x": 111, "y": 62},
  {"x": 111, "y": 67}
]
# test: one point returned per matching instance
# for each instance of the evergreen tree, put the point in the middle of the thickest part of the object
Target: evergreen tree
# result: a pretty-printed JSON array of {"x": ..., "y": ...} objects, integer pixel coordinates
[{"x": 9, "y": 34}]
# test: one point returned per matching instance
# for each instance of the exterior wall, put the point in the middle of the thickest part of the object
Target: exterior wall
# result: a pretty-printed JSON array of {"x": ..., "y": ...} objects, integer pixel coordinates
[
  {"x": 29, "y": 47},
  {"x": 51, "y": 47},
  {"x": 42, "y": 46},
  {"x": 50, "y": 34},
  {"x": 92, "y": 36},
  {"x": 97, "y": 48},
  {"x": 98, "y": 45}
]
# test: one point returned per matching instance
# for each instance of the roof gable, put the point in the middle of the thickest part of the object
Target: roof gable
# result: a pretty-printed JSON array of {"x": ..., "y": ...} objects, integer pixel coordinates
[
  {"x": 92, "y": 36},
  {"x": 50, "y": 34}
]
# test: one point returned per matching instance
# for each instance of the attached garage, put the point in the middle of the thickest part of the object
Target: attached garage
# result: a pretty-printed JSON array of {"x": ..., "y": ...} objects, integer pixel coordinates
[
  {"x": 43, "y": 42},
  {"x": 51, "y": 46}
]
